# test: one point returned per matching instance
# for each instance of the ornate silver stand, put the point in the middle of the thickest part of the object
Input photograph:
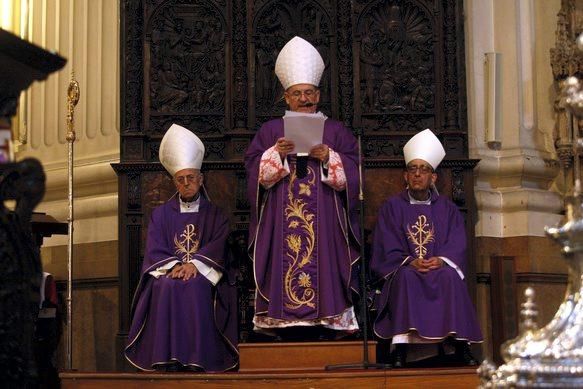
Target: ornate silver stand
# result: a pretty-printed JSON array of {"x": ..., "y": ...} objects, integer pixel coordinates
[{"x": 551, "y": 356}]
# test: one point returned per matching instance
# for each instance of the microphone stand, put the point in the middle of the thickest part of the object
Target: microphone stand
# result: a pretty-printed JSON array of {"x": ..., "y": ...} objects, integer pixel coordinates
[{"x": 365, "y": 364}]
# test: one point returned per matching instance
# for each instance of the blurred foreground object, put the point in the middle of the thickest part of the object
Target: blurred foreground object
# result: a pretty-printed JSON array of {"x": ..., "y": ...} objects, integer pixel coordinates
[
  {"x": 552, "y": 356},
  {"x": 21, "y": 63}
]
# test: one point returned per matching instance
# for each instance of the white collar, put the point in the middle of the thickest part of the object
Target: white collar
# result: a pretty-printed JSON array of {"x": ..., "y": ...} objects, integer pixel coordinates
[
  {"x": 414, "y": 201},
  {"x": 189, "y": 207}
]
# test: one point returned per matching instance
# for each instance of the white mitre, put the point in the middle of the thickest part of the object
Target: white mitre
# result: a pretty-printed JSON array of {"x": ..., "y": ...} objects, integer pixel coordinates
[
  {"x": 299, "y": 62},
  {"x": 425, "y": 146},
  {"x": 180, "y": 149}
]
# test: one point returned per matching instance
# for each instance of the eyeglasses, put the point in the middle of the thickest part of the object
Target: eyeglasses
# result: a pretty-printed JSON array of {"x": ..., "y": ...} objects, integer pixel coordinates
[
  {"x": 182, "y": 180},
  {"x": 422, "y": 169},
  {"x": 309, "y": 93}
]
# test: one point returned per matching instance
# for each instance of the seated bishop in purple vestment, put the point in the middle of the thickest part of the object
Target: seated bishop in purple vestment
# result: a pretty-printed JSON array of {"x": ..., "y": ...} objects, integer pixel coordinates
[
  {"x": 419, "y": 250},
  {"x": 184, "y": 308},
  {"x": 303, "y": 231}
]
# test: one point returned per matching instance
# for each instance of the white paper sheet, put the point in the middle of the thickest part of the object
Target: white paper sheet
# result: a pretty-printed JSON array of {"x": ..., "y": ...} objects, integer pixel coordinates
[{"x": 305, "y": 130}]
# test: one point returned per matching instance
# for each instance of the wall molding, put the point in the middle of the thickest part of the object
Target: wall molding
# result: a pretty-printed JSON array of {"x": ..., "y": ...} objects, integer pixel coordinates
[
  {"x": 542, "y": 278},
  {"x": 89, "y": 283},
  {"x": 528, "y": 278}
]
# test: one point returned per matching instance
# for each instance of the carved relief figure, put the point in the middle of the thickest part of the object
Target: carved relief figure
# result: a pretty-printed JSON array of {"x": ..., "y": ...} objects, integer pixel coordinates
[
  {"x": 187, "y": 59},
  {"x": 395, "y": 47}
]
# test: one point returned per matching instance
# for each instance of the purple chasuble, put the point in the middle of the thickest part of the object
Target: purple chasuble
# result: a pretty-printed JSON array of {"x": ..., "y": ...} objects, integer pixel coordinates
[
  {"x": 191, "y": 322},
  {"x": 303, "y": 235},
  {"x": 436, "y": 304}
]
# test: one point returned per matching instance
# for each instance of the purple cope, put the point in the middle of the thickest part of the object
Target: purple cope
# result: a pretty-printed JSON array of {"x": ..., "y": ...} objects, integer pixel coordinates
[
  {"x": 303, "y": 236},
  {"x": 435, "y": 304},
  {"x": 190, "y": 322}
]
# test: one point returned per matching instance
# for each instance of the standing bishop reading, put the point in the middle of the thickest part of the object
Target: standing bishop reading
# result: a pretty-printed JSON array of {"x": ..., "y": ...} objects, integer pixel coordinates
[{"x": 303, "y": 233}]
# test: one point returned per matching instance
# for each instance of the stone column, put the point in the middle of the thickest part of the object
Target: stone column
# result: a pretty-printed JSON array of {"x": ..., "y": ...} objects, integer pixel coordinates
[{"x": 516, "y": 178}]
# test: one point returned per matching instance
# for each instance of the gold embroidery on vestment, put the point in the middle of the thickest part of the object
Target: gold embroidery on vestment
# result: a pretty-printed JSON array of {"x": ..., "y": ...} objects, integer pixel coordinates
[
  {"x": 187, "y": 246},
  {"x": 421, "y": 233},
  {"x": 298, "y": 284}
]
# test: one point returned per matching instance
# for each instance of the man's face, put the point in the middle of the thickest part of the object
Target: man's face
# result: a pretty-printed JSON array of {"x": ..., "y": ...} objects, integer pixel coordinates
[
  {"x": 419, "y": 175},
  {"x": 302, "y": 98},
  {"x": 188, "y": 183}
]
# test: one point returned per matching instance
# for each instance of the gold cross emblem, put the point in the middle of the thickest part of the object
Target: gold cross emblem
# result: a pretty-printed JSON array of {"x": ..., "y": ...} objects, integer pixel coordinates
[
  {"x": 421, "y": 233},
  {"x": 188, "y": 245}
]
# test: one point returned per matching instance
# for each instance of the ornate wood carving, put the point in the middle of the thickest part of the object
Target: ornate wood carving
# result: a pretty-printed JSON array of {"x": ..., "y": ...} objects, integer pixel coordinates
[
  {"x": 240, "y": 78},
  {"x": 458, "y": 195},
  {"x": 345, "y": 58},
  {"x": 566, "y": 60},
  {"x": 409, "y": 67},
  {"x": 133, "y": 193},
  {"x": 392, "y": 68},
  {"x": 186, "y": 44},
  {"x": 391, "y": 37},
  {"x": 132, "y": 69}
]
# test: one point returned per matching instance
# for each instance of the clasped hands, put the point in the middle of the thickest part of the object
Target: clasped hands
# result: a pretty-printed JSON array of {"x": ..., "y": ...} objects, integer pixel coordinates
[
  {"x": 320, "y": 152},
  {"x": 184, "y": 271},
  {"x": 426, "y": 265}
]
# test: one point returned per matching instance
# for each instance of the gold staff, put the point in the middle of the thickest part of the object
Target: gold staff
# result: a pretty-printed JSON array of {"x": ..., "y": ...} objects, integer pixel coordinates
[{"x": 72, "y": 100}]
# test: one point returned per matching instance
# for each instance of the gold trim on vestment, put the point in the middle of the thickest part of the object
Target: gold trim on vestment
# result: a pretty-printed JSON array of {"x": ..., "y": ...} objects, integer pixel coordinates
[{"x": 300, "y": 247}]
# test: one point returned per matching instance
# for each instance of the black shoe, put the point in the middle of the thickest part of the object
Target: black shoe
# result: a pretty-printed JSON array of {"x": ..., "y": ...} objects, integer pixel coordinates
[
  {"x": 173, "y": 367},
  {"x": 327, "y": 334},
  {"x": 400, "y": 356},
  {"x": 192, "y": 369},
  {"x": 464, "y": 354}
]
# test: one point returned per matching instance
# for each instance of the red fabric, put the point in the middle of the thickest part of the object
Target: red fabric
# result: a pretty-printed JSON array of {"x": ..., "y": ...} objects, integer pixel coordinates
[{"x": 51, "y": 290}]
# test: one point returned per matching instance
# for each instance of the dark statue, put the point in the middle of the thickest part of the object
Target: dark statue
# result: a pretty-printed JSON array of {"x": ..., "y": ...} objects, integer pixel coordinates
[{"x": 20, "y": 278}]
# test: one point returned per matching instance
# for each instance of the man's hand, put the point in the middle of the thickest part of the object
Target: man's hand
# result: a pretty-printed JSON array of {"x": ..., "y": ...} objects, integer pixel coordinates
[
  {"x": 284, "y": 147},
  {"x": 426, "y": 265},
  {"x": 183, "y": 271},
  {"x": 434, "y": 263},
  {"x": 320, "y": 152},
  {"x": 419, "y": 265},
  {"x": 189, "y": 271}
]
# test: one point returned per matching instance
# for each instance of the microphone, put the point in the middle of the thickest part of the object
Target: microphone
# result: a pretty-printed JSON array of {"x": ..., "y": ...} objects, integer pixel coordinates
[{"x": 301, "y": 166}]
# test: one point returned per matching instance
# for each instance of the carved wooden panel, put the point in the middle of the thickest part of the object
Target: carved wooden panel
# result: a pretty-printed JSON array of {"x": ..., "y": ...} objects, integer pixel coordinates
[
  {"x": 391, "y": 38},
  {"x": 274, "y": 23},
  {"x": 393, "y": 67},
  {"x": 186, "y": 45},
  {"x": 408, "y": 74}
]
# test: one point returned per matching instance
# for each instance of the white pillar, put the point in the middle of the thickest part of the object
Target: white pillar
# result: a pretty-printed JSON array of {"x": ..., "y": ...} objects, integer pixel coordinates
[{"x": 514, "y": 179}]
